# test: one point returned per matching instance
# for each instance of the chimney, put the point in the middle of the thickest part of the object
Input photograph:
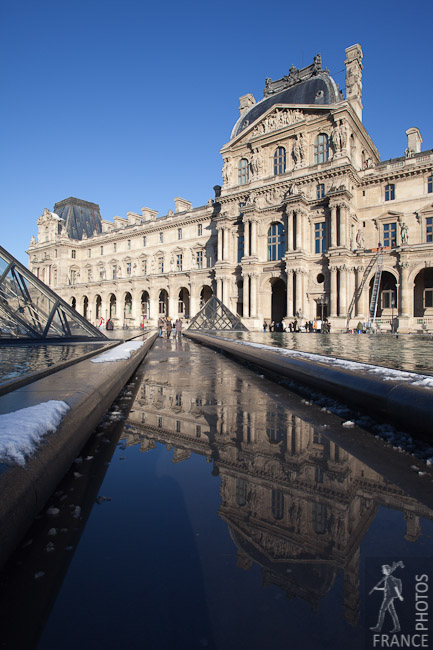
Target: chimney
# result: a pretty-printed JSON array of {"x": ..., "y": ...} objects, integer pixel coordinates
[{"x": 414, "y": 141}]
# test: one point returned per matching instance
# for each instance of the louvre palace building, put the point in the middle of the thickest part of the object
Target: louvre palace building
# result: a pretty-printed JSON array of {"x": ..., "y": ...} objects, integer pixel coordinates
[{"x": 306, "y": 215}]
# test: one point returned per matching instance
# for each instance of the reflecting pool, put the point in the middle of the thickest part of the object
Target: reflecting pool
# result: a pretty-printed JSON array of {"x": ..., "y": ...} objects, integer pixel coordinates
[
  {"x": 219, "y": 514},
  {"x": 404, "y": 352}
]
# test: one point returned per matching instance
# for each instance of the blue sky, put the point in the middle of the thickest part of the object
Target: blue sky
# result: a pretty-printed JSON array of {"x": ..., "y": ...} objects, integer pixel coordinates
[{"x": 127, "y": 104}]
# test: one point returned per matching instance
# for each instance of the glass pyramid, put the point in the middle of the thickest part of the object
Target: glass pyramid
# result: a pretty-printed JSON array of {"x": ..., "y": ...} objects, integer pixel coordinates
[
  {"x": 31, "y": 310},
  {"x": 216, "y": 316}
]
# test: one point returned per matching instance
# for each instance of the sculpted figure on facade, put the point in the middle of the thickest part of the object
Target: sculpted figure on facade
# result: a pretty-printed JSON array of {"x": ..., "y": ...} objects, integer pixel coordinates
[
  {"x": 298, "y": 150},
  {"x": 227, "y": 171},
  {"x": 339, "y": 137},
  {"x": 360, "y": 243},
  {"x": 404, "y": 233},
  {"x": 256, "y": 164}
]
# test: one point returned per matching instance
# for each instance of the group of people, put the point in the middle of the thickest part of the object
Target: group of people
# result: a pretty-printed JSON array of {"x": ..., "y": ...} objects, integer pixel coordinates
[
  {"x": 166, "y": 327},
  {"x": 316, "y": 325}
]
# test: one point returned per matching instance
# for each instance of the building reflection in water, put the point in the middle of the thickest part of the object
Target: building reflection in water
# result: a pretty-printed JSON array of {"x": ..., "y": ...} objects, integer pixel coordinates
[{"x": 295, "y": 503}]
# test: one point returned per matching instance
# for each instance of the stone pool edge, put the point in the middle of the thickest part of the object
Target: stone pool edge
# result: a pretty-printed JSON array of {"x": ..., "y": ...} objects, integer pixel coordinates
[
  {"x": 89, "y": 389},
  {"x": 408, "y": 407}
]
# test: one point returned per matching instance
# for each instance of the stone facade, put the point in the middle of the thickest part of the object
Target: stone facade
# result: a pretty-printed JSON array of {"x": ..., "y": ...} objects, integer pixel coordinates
[{"x": 293, "y": 231}]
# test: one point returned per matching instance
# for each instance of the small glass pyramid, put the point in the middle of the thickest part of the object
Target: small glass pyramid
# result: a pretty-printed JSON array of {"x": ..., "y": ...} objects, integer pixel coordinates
[
  {"x": 216, "y": 316},
  {"x": 31, "y": 310}
]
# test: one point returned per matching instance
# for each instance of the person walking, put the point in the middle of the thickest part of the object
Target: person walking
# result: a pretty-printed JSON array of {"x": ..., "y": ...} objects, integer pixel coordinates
[
  {"x": 178, "y": 328},
  {"x": 168, "y": 327}
]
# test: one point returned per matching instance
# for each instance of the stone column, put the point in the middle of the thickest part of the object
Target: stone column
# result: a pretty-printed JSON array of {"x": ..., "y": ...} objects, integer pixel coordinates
[
  {"x": 253, "y": 306},
  {"x": 333, "y": 297},
  {"x": 246, "y": 302},
  {"x": 220, "y": 244},
  {"x": 405, "y": 291},
  {"x": 246, "y": 238},
  {"x": 289, "y": 311},
  {"x": 290, "y": 231},
  {"x": 343, "y": 228},
  {"x": 254, "y": 237},
  {"x": 299, "y": 291},
  {"x": 219, "y": 289},
  {"x": 343, "y": 290},
  {"x": 226, "y": 243},
  {"x": 333, "y": 226}
]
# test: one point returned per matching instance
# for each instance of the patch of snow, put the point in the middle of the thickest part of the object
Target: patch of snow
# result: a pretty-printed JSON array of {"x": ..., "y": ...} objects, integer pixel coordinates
[
  {"x": 349, "y": 424},
  {"x": 119, "y": 353},
  {"x": 386, "y": 374},
  {"x": 22, "y": 431}
]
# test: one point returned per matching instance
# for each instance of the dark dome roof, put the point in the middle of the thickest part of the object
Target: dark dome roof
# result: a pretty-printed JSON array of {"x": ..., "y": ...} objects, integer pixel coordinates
[
  {"x": 319, "y": 89},
  {"x": 81, "y": 217}
]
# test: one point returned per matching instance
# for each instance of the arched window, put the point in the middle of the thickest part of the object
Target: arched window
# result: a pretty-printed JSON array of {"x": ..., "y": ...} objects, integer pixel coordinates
[
  {"x": 279, "y": 161},
  {"x": 128, "y": 305},
  {"x": 243, "y": 172},
  {"x": 276, "y": 242},
  {"x": 321, "y": 148}
]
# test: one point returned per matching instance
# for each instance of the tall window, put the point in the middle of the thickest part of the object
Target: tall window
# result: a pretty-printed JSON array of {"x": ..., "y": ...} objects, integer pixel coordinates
[
  {"x": 390, "y": 192},
  {"x": 279, "y": 161},
  {"x": 179, "y": 233},
  {"x": 114, "y": 247},
  {"x": 101, "y": 250},
  {"x": 277, "y": 504},
  {"x": 179, "y": 262},
  {"x": 430, "y": 184},
  {"x": 129, "y": 244},
  {"x": 73, "y": 277},
  {"x": 199, "y": 229},
  {"x": 144, "y": 267},
  {"x": 144, "y": 240},
  {"x": 276, "y": 242},
  {"x": 73, "y": 254},
  {"x": 390, "y": 234},
  {"x": 199, "y": 259},
  {"x": 320, "y": 237},
  {"x": 161, "y": 237},
  {"x": 320, "y": 191},
  {"x": 321, "y": 148},
  {"x": 429, "y": 229},
  {"x": 89, "y": 252},
  {"x": 388, "y": 299},
  {"x": 243, "y": 172},
  {"x": 241, "y": 246},
  {"x": 241, "y": 491},
  {"x": 320, "y": 518},
  {"x": 114, "y": 271},
  {"x": 160, "y": 265},
  {"x": 128, "y": 268},
  {"x": 428, "y": 298}
]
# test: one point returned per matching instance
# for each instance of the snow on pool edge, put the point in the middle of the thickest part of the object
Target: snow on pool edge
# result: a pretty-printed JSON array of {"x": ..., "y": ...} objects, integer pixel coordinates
[
  {"x": 22, "y": 431},
  {"x": 120, "y": 353}
]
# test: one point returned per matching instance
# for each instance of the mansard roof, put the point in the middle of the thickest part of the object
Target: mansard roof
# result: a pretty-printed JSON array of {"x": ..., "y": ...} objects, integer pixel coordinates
[
  {"x": 82, "y": 219},
  {"x": 310, "y": 85}
]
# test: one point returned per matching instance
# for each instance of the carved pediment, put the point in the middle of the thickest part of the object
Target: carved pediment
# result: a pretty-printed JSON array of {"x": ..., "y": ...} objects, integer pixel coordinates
[{"x": 278, "y": 118}]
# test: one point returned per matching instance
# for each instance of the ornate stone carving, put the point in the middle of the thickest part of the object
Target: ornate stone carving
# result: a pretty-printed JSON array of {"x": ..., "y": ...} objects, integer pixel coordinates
[
  {"x": 256, "y": 164},
  {"x": 298, "y": 150},
  {"x": 360, "y": 243},
  {"x": 339, "y": 137},
  {"x": 404, "y": 232},
  {"x": 277, "y": 120},
  {"x": 227, "y": 171}
]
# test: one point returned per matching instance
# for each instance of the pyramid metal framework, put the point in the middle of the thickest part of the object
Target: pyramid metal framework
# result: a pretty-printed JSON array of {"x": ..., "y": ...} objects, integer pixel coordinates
[
  {"x": 31, "y": 310},
  {"x": 216, "y": 316}
]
